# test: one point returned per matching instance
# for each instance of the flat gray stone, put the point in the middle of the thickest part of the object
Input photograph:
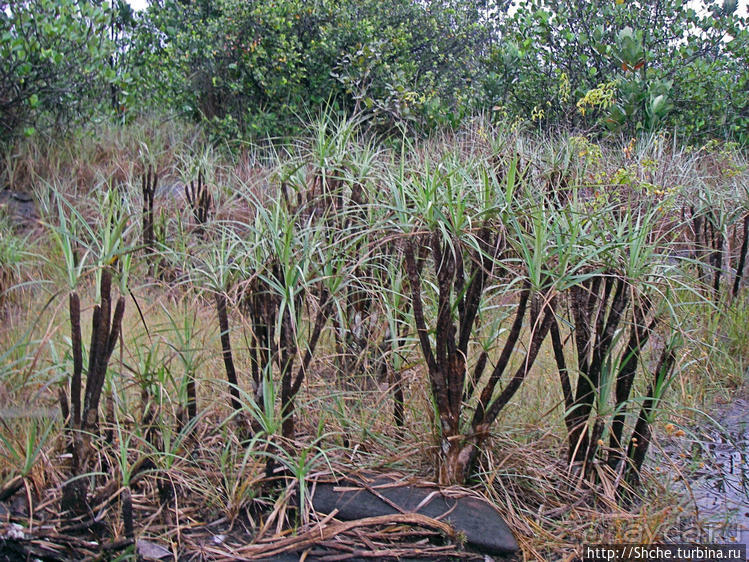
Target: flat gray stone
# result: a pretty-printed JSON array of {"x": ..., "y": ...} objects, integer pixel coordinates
[
  {"x": 149, "y": 550},
  {"x": 483, "y": 527},
  {"x": 170, "y": 189},
  {"x": 19, "y": 208}
]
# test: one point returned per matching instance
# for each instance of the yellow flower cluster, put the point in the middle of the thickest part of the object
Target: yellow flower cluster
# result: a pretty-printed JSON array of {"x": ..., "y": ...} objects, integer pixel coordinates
[
  {"x": 672, "y": 430},
  {"x": 537, "y": 114},
  {"x": 623, "y": 176},
  {"x": 589, "y": 151},
  {"x": 564, "y": 88},
  {"x": 601, "y": 96},
  {"x": 629, "y": 149}
]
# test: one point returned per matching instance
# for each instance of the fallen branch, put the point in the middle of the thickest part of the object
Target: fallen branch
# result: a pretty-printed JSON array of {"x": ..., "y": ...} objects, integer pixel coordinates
[{"x": 321, "y": 533}]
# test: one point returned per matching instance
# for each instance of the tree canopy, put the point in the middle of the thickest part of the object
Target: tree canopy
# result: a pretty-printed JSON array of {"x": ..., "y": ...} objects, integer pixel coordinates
[{"x": 258, "y": 68}]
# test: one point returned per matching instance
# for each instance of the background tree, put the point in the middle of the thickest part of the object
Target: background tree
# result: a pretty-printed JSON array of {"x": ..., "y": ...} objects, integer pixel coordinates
[
  {"x": 659, "y": 58},
  {"x": 56, "y": 56},
  {"x": 260, "y": 67}
]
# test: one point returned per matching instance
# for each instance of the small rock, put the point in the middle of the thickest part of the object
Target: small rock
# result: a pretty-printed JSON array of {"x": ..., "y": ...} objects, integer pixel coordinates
[
  {"x": 152, "y": 551},
  {"x": 172, "y": 190},
  {"x": 14, "y": 532},
  {"x": 19, "y": 507},
  {"x": 19, "y": 208}
]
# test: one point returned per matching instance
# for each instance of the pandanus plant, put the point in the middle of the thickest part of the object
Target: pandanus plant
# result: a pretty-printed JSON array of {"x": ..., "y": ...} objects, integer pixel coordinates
[
  {"x": 716, "y": 223},
  {"x": 741, "y": 259},
  {"x": 83, "y": 415},
  {"x": 215, "y": 268},
  {"x": 200, "y": 200},
  {"x": 612, "y": 310},
  {"x": 149, "y": 182},
  {"x": 478, "y": 254},
  {"x": 286, "y": 280},
  {"x": 394, "y": 301},
  {"x": 79, "y": 405},
  {"x": 184, "y": 331},
  {"x": 335, "y": 197},
  {"x": 708, "y": 226},
  {"x": 274, "y": 265}
]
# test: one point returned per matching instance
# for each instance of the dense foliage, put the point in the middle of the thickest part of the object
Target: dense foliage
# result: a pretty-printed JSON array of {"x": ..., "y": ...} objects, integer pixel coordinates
[
  {"x": 637, "y": 65},
  {"x": 257, "y": 69},
  {"x": 258, "y": 66},
  {"x": 57, "y": 60}
]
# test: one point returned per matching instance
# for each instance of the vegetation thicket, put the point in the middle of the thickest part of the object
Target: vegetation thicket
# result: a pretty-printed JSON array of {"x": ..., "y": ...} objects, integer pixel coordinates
[
  {"x": 496, "y": 248},
  {"x": 256, "y": 69}
]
